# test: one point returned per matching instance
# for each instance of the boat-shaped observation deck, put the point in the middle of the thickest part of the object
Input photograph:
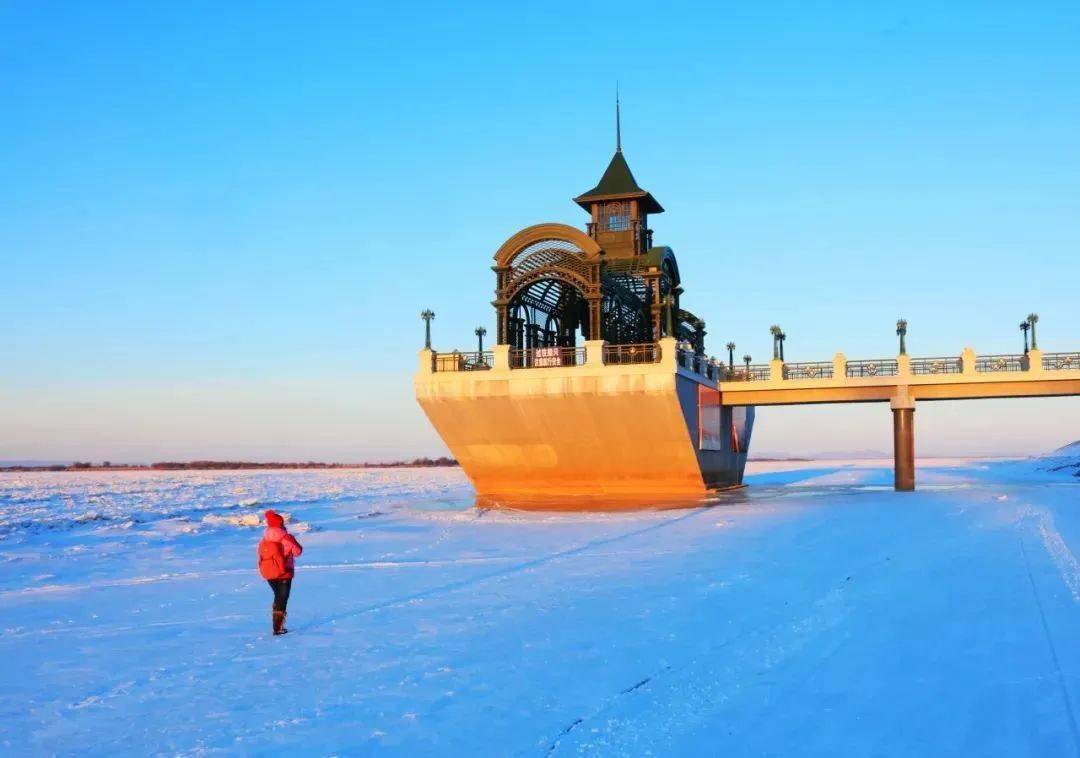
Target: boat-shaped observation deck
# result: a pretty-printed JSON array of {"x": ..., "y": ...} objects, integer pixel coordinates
[{"x": 625, "y": 421}]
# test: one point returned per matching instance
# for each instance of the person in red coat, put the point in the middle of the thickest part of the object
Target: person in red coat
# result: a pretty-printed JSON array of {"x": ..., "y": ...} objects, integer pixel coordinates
[{"x": 278, "y": 551}]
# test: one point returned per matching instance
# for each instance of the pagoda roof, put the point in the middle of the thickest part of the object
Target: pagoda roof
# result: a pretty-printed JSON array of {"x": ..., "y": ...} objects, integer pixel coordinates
[{"x": 618, "y": 183}]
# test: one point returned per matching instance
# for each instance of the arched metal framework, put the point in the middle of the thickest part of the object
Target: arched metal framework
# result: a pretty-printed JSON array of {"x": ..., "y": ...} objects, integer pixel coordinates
[
  {"x": 544, "y": 291},
  {"x": 555, "y": 287}
]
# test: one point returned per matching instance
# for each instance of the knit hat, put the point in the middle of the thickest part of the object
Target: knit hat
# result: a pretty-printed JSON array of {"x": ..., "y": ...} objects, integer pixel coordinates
[{"x": 274, "y": 519}]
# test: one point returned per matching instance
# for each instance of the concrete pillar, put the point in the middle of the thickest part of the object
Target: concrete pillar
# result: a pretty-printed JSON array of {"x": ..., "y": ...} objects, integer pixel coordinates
[
  {"x": 500, "y": 358},
  {"x": 594, "y": 352},
  {"x": 1035, "y": 358},
  {"x": 839, "y": 366},
  {"x": 669, "y": 353},
  {"x": 903, "y": 410},
  {"x": 903, "y": 364},
  {"x": 427, "y": 362},
  {"x": 776, "y": 370},
  {"x": 967, "y": 361}
]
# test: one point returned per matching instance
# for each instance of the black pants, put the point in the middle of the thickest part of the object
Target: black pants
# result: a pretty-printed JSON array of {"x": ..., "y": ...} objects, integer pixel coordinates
[{"x": 281, "y": 588}]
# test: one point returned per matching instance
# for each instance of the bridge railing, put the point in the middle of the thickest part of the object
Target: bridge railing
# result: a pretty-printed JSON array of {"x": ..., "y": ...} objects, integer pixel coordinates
[
  {"x": 950, "y": 365},
  {"x": 878, "y": 367},
  {"x": 759, "y": 372},
  {"x": 994, "y": 363},
  {"x": 817, "y": 370},
  {"x": 1061, "y": 361},
  {"x": 753, "y": 373}
]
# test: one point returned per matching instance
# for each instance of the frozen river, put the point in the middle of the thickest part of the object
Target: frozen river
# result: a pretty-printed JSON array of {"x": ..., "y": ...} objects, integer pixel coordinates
[{"x": 814, "y": 613}]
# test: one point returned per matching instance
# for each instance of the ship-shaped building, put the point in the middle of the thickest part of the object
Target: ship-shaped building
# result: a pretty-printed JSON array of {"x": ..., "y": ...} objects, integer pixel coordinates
[{"x": 598, "y": 385}]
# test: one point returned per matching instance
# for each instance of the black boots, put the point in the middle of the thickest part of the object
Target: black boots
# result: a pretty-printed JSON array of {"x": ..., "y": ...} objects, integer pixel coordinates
[{"x": 279, "y": 623}]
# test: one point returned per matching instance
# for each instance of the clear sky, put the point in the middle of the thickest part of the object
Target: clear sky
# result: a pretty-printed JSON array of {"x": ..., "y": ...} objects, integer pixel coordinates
[{"x": 219, "y": 222}]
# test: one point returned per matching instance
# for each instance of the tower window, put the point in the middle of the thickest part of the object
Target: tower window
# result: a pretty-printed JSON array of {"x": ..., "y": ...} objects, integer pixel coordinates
[{"x": 615, "y": 217}]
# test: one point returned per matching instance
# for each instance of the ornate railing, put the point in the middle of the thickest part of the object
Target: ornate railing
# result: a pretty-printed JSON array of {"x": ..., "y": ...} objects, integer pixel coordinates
[
  {"x": 820, "y": 370},
  {"x": 936, "y": 366},
  {"x": 993, "y": 363},
  {"x": 547, "y": 357},
  {"x": 882, "y": 367},
  {"x": 1061, "y": 361},
  {"x": 648, "y": 352},
  {"x": 710, "y": 368},
  {"x": 456, "y": 361}
]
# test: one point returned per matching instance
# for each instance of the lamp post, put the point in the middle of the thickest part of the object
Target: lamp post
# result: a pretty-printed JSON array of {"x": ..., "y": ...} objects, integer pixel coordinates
[
  {"x": 1024, "y": 326},
  {"x": 746, "y": 360},
  {"x": 901, "y": 330},
  {"x": 781, "y": 337},
  {"x": 731, "y": 356},
  {"x": 669, "y": 302},
  {"x": 427, "y": 315},
  {"x": 1033, "y": 318},
  {"x": 774, "y": 330},
  {"x": 480, "y": 332}
]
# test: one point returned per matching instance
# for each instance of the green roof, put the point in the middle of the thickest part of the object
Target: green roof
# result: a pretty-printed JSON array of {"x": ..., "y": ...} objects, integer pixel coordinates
[{"x": 618, "y": 182}]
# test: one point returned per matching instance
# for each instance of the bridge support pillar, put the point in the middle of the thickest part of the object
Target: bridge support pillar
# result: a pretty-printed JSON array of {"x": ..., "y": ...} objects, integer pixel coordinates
[{"x": 903, "y": 410}]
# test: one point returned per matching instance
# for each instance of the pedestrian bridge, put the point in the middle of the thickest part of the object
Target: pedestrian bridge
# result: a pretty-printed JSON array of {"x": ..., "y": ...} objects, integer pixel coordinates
[
  {"x": 963, "y": 377},
  {"x": 900, "y": 381}
]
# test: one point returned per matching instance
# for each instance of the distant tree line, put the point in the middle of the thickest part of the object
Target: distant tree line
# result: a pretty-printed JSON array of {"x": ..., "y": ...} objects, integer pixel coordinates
[{"x": 234, "y": 465}]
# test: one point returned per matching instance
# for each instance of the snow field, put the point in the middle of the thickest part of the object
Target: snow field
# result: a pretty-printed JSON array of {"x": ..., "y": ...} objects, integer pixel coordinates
[{"x": 814, "y": 613}]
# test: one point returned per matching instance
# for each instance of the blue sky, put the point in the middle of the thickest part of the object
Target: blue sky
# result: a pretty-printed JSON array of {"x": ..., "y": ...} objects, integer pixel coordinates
[{"x": 218, "y": 224}]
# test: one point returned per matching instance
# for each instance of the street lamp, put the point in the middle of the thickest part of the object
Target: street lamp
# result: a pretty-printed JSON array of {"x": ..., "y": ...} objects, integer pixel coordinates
[
  {"x": 746, "y": 360},
  {"x": 901, "y": 329},
  {"x": 1024, "y": 327},
  {"x": 427, "y": 315},
  {"x": 731, "y": 356},
  {"x": 774, "y": 330},
  {"x": 781, "y": 337},
  {"x": 1033, "y": 318},
  {"x": 480, "y": 332}
]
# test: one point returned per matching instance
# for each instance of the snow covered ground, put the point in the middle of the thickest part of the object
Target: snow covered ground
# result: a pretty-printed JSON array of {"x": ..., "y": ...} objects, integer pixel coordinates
[{"x": 814, "y": 613}]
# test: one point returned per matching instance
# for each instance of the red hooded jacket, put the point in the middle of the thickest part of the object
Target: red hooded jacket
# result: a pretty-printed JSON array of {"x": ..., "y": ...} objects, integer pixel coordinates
[{"x": 275, "y": 532}]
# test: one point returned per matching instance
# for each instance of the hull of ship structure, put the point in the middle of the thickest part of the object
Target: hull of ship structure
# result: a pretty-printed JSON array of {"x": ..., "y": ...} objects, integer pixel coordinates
[{"x": 646, "y": 434}]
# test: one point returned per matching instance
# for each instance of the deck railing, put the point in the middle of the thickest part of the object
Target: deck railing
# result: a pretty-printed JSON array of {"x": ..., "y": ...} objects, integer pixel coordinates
[
  {"x": 456, "y": 361},
  {"x": 937, "y": 366},
  {"x": 547, "y": 357},
  {"x": 1061, "y": 361},
  {"x": 646, "y": 352},
  {"x": 993, "y": 363},
  {"x": 882, "y": 367},
  {"x": 710, "y": 368}
]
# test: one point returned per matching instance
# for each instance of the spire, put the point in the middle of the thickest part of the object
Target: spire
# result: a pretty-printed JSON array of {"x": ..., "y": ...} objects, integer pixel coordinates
[
  {"x": 618, "y": 182},
  {"x": 618, "y": 122}
]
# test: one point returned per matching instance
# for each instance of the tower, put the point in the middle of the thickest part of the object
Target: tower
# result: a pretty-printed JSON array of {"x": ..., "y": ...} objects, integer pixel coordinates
[{"x": 619, "y": 207}]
